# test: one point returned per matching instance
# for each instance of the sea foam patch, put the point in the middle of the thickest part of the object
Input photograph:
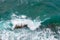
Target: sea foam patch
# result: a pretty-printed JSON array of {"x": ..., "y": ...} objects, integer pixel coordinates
[
  {"x": 25, "y": 34},
  {"x": 23, "y": 20}
]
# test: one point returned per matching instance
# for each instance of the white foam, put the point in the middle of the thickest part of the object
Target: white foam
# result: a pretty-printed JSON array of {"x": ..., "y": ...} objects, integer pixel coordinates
[
  {"x": 24, "y": 34},
  {"x": 31, "y": 24},
  {"x": 23, "y": 16}
]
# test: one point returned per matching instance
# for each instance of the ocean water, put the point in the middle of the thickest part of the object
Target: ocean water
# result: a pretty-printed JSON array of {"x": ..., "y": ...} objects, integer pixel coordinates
[{"x": 45, "y": 11}]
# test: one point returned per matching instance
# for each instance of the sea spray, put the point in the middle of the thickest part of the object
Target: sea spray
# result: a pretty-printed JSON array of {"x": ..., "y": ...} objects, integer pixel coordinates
[
  {"x": 24, "y": 33},
  {"x": 23, "y": 20}
]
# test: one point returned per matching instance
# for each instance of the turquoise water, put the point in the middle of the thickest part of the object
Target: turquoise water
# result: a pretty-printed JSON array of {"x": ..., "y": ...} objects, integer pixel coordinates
[
  {"x": 31, "y": 8},
  {"x": 47, "y": 10}
]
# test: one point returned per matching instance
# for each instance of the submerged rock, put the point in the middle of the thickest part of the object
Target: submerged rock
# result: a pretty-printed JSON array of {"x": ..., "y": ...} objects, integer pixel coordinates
[{"x": 19, "y": 26}]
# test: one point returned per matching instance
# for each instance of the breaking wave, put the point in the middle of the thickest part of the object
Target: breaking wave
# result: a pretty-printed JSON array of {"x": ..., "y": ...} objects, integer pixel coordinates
[{"x": 7, "y": 31}]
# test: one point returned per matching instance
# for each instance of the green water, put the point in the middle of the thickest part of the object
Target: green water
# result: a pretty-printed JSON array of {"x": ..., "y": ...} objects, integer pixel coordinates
[
  {"x": 32, "y": 8},
  {"x": 48, "y": 10}
]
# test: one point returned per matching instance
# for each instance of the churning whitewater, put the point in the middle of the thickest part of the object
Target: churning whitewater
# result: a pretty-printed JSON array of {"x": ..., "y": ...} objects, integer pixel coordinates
[
  {"x": 23, "y": 20},
  {"x": 31, "y": 32}
]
